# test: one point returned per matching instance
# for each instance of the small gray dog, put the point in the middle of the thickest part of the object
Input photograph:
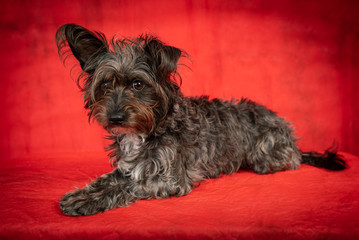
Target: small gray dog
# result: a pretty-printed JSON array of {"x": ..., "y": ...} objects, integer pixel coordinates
[{"x": 164, "y": 143}]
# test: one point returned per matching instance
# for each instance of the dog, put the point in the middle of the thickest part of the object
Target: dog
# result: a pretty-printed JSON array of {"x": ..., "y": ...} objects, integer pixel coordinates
[{"x": 164, "y": 143}]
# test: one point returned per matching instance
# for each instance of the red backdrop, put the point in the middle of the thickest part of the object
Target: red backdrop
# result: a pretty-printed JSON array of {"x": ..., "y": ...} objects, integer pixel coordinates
[{"x": 300, "y": 58}]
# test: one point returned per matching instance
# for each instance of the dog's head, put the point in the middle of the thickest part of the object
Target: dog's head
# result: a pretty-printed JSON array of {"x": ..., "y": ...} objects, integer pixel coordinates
[{"x": 128, "y": 84}]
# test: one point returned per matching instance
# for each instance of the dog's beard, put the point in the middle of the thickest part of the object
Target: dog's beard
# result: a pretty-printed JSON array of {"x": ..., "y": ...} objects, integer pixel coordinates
[
  {"x": 139, "y": 118},
  {"x": 115, "y": 130}
]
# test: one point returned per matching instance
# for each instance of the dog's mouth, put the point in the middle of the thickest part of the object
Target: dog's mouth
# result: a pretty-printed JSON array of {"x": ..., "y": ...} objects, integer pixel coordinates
[
  {"x": 121, "y": 123},
  {"x": 119, "y": 130},
  {"x": 118, "y": 123}
]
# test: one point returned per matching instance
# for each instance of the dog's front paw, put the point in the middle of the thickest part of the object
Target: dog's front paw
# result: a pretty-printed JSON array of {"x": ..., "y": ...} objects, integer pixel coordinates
[{"x": 80, "y": 203}]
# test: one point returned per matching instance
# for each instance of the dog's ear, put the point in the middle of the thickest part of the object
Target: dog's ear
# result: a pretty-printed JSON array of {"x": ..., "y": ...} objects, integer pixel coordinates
[
  {"x": 84, "y": 44},
  {"x": 164, "y": 58}
]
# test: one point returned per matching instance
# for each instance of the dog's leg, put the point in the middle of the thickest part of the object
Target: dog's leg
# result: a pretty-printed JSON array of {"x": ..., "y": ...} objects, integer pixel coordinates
[{"x": 106, "y": 192}]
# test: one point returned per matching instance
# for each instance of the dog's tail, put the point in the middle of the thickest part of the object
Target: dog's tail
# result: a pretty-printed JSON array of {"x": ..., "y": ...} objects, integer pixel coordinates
[{"x": 330, "y": 159}]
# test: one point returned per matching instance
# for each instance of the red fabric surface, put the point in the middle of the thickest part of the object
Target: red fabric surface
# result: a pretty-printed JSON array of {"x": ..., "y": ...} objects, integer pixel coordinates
[
  {"x": 299, "y": 58},
  {"x": 308, "y": 203}
]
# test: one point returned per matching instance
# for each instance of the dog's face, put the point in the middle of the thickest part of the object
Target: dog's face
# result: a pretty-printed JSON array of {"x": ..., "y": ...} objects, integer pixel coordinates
[{"x": 129, "y": 84}]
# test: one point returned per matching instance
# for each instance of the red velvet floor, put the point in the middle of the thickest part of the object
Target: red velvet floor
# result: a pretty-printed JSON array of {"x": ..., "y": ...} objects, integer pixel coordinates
[{"x": 309, "y": 203}]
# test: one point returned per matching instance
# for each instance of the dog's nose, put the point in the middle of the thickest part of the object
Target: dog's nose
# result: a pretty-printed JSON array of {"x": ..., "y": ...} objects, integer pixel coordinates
[{"x": 117, "y": 118}]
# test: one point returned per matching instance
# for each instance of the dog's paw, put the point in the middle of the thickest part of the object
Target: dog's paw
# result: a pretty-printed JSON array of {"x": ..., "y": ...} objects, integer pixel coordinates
[{"x": 80, "y": 203}]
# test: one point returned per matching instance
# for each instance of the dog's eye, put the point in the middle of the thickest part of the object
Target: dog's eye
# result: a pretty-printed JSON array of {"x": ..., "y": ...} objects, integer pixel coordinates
[
  {"x": 105, "y": 85},
  {"x": 138, "y": 85}
]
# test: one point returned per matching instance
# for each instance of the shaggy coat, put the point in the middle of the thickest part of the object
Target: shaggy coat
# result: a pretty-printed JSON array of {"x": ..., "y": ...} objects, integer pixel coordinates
[{"x": 164, "y": 143}]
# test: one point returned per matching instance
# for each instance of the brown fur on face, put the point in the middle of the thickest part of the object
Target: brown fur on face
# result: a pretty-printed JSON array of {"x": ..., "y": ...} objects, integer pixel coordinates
[
  {"x": 117, "y": 66},
  {"x": 138, "y": 108}
]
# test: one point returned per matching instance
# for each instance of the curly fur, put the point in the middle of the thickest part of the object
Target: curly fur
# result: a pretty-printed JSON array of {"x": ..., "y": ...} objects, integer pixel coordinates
[{"x": 164, "y": 143}]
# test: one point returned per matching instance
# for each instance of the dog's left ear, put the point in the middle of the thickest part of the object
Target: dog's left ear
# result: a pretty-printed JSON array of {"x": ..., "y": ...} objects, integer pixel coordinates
[{"x": 164, "y": 58}]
